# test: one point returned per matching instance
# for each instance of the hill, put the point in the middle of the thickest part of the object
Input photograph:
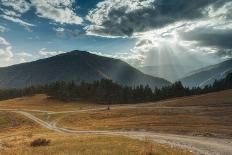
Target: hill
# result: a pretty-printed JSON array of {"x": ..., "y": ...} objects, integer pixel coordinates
[
  {"x": 170, "y": 72},
  {"x": 207, "y": 75},
  {"x": 75, "y": 66}
]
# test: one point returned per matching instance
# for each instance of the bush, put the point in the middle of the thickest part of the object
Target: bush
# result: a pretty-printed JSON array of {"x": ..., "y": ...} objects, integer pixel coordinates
[{"x": 40, "y": 142}]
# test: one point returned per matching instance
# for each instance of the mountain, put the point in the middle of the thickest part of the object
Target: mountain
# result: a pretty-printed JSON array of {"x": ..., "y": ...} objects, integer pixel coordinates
[
  {"x": 75, "y": 66},
  {"x": 170, "y": 72},
  {"x": 207, "y": 75}
]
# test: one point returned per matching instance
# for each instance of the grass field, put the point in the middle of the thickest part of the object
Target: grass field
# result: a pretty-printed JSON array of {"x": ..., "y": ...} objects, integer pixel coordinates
[
  {"x": 17, "y": 142},
  {"x": 10, "y": 120},
  {"x": 17, "y": 132},
  {"x": 42, "y": 102},
  {"x": 204, "y": 115},
  {"x": 183, "y": 121},
  {"x": 86, "y": 145},
  {"x": 217, "y": 99}
]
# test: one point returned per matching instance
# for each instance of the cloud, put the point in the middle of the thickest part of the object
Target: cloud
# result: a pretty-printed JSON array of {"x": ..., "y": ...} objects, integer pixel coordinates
[
  {"x": 23, "y": 57},
  {"x": 61, "y": 32},
  {"x": 6, "y": 53},
  {"x": 13, "y": 9},
  {"x": 143, "y": 42},
  {"x": 59, "y": 29},
  {"x": 208, "y": 36},
  {"x": 197, "y": 27},
  {"x": 214, "y": 40},
  {"x": 20, "y": 6},
  {"x": 17, "y": 20},
  {"x": 126, "y": 17},
  {"x": 24, "y": 54},
  {"x": 5, "y": 50},
  {"x": 60, "y": 11},
  {"x": 2, "y": 29},
  {"x": 47, "y": 53},
  {"x": 213, "y": 33},
  {"x": 4, "y": 42},
  {"x": 10, "y": 13},
  {"x": 8, "y": 57}
]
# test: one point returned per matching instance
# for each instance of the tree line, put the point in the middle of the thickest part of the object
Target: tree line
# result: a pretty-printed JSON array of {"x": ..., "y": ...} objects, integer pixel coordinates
[{"x": 108, "y": 92}]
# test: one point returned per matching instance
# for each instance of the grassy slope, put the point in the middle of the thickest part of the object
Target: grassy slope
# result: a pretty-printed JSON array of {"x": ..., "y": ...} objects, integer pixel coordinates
[
  {"x": 89, "y": 145},
  {"x": 16, "y": 133},
  {"x": 41, "y": 102},
  {"x": 208, "y": 114},
  {"x": 10, "y": 120},
  {"x": 205, "y": 114},
  {"x": 217, "y": 99}
]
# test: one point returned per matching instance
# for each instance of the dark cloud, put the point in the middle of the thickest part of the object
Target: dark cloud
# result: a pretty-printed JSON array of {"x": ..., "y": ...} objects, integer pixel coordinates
[
  {"x": 71, "y": 33},
  {"x": 122, "y": 21},
  {"x": 220, "y": 38},
  {"x": 219, "y": 3},
  {"x": 206, "y": 23},
  {"x": 143, "y": 42},
  {"x": 225, "y": 53}
]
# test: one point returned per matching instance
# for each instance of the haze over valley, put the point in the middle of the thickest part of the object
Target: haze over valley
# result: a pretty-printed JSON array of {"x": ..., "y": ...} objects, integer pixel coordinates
[{"x": 115, "y": 77}]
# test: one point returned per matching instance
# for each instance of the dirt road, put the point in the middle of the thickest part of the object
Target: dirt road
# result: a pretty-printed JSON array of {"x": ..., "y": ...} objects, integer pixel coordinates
[{"x": 200, "y": 145}]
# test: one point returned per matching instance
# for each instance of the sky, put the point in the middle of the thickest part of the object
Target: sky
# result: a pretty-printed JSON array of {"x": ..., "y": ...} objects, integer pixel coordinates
[{"x": 191, "y": 33}]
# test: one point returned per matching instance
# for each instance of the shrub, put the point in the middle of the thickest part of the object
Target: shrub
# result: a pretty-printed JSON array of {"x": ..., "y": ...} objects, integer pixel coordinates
[{"x": 40, "y": 142}]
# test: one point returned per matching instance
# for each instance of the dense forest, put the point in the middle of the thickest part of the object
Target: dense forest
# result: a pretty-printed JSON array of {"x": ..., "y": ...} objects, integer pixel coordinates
[{"x": 107, "y": 92}]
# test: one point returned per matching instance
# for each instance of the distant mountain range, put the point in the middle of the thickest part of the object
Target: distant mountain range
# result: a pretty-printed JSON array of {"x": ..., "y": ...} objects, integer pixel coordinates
[
  {"x": 170, "y": 72},
  {"x": 75, "y": 66},
  {"x": 207, "y": 75}
]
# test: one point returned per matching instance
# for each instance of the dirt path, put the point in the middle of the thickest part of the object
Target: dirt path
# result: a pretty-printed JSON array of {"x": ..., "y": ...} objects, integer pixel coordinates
[
  {"x": 200, "y": 145},
  {"x": 137, "y": 106}
]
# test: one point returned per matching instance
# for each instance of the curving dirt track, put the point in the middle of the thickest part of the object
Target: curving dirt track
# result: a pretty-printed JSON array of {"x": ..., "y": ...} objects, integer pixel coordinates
[{"x": 200, "y": 145}]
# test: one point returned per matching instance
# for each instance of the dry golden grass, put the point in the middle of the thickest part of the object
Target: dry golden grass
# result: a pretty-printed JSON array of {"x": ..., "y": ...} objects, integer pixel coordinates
[
  {"x": 42, "y": 102},
  {"x": 87, "y": 145},
  {"x": 64, "y": 144},
  {"x": 222, "y": 98},
  {"x": 16, "y": 139},
  {"x": 208, "y": 115},
  {"x": 9, "y": 120}
]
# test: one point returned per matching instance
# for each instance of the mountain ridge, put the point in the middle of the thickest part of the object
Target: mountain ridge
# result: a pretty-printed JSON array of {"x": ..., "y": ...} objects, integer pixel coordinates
[
  {"x": 75, "y": 66},
  {"x": 171, "y": 72},
  {"x": 207, "y": 75}
]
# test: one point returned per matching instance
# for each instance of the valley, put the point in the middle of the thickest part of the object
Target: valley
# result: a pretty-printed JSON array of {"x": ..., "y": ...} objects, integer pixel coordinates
[
  {"x": 115, "y": 77},
  {"x": 194, "y": 123}
]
